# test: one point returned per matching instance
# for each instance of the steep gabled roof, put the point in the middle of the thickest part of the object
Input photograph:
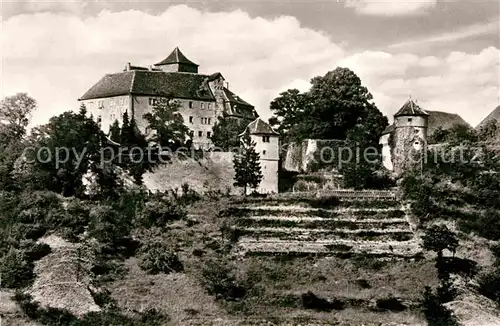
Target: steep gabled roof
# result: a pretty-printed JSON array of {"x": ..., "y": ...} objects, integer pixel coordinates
[
  {"x": 494, "y": 115},
  {"x": 238, "y": 106},
  {"x": 176, "y": 57},
  {"x": 259, "y": 127},
  {"x": 410, "y": 108},
  {"x": 444, "y": 120},
  {"x": 111, "y": 85},
  {"x": 153, "y": 83}
]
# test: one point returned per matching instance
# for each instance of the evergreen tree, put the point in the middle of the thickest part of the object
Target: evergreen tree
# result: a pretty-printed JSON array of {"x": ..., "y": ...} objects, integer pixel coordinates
[
  {"x": 136, "y": 148},
  {"x": 115, "y": 131},
  {"x": 247, "y": 165}
]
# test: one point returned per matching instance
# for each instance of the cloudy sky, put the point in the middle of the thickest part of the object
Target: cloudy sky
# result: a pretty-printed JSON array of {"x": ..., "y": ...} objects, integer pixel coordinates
[{"x": 446, "y": 54}]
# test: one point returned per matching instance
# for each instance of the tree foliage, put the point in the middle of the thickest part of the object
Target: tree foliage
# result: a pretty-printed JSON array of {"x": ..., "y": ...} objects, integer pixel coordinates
[
  {"x": 226, "y": 133},
  {"x": 438, "y": 238},
  {"x": 335, "y": 104},
  {"x": 247, "y": 165},
  {"x": 167, "y": 124}
]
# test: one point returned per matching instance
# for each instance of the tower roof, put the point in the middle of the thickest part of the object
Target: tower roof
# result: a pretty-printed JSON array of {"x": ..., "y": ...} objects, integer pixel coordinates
[
  {"x": 411, "y": 108},
  {"x": 176, "y": 57},
  {"x": 260, "y": 127}
]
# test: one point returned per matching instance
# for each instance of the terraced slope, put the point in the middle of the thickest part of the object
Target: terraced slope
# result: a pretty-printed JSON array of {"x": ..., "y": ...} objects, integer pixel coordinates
[{"x": 378, "y": 227}]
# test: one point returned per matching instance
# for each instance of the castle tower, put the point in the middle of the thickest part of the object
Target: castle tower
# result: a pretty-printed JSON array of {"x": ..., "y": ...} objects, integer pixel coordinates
[
  {"x": 410, "y": 134},
  {"x": 177, "y": 62},
  {"x": 267, "y": 145}
]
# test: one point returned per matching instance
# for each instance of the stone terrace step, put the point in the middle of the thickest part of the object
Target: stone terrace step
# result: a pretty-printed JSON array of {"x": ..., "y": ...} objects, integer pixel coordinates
[
  {"x": 322, "y": 223},
  {"x": 276, "y": 246},
  {"x": 290, "y": 233},
  {"x": 299, "y": 212}
]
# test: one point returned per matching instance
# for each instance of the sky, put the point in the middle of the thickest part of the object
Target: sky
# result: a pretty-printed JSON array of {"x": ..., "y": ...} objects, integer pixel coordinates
[{"x": 444, "y": 54}]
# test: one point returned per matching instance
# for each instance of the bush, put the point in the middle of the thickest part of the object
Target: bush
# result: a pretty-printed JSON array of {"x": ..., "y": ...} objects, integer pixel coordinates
[
  {"x": 157, "y": 257},
  {"x": 16, "y": 270},
  {"x": 391, "y": 304},
  {"x": 489, "y": 285},
  {"x": 219, "y": 279},
  {"x": 311, "y": 301},
  {"x": 58, "y": 317},
  {"x": 35, "y": 251},
  {"x": 435, "y": 312},
  {"x": 107, "y": 225},
  {"x": 158, "y": 213}
]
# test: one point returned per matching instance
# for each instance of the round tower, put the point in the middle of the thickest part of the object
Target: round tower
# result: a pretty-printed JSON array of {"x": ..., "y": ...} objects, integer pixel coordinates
[{"x": 410, "y": 133}]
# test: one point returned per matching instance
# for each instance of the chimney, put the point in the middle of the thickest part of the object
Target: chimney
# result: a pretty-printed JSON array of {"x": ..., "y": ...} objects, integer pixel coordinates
[
  {"x": 150, "y": 67},
  {"x": 128, "y": 67},
  {"x": 227, "y": 85}
]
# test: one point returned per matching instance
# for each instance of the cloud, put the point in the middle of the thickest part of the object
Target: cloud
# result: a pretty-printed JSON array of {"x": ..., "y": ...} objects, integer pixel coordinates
[
  {"x": 458, "y": 82},
  {"x": 57, "y": 63},
  {"x": 490, "y": 27},
  {"x": 259, "y": 57},
  {"x": 391, "y": 7}
]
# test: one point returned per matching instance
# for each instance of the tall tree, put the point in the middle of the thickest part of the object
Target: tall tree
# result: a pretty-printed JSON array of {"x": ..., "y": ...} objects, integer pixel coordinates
[
  {"x": 247, "y": 165},
  {"x": 335, "y": 104},
  {"x": 226, "y": 133},
  {"x": 115, "y": 132},
  {"x": 135, "y": 160},
  {"x": 15, "y": 113},
  {"x": 167, "y": 124},
  {"x": 289, "y": 110},
  {"x": 66, "y": 147}
]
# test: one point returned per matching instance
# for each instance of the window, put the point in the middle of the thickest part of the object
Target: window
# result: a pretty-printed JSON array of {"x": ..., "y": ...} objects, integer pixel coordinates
[
  {"x": 200, "y": 133},
  {"x": 100, "y": 104},
  {"x": 266, "y": 139},
  {"x": 202, "y": 105},
  {"x": 190, "y": 105},
  {"x": 147, "y": 130},
  {"x": 209, "y": 106},
  {"x": 209, "y": 134},
  {"x": 264, "y": 152},
  {"x": 190, "y": 119},
  {"x": 151, "y": 101},
  {"x": 409, "y": 119},
  {"x": 209, "y": 120},
  {"x": 205, "y": 121}
]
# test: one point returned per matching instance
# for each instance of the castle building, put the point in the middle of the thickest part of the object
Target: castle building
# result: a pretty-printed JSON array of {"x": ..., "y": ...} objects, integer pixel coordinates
[
  {"x": 267, "y": 145},
  {"x": 202, "y": 98},
  {"x": 409, "y": 132}
]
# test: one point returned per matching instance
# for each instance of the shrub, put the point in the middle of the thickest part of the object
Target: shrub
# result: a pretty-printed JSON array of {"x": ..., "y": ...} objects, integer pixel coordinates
[
  {"x": 391, "y": 303},
  {"x": 107, "y": 225},
  {"x": 16, "y": 271},
  {"x": 158, "y": 213},
  {"x": 311, "y": 301},
  {"x": 489, "y": 285},
  {"x": 35, "y": 251},
  {"x": 157, "y": 257},
  {"x": 219, "y": 279},
  {"x": 435, "y": 312}
]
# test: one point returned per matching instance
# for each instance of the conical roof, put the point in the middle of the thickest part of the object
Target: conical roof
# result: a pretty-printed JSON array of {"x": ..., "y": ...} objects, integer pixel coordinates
[
  {"x": 410, "y": 108},
  {"x": 259, "y": 127},
  {"x": 176, "y": 57}
]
